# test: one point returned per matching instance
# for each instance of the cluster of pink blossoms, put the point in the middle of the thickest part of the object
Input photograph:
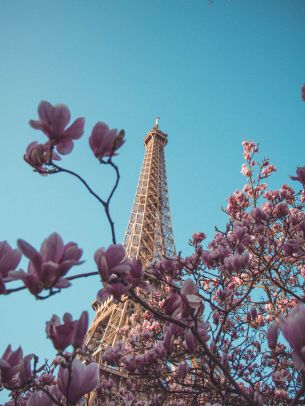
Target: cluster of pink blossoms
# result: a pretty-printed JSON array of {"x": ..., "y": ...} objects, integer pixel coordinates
[
  {"x": 74, "y": 380},
  {"x": 249, "y": 149},
  {"x": 47, "y": 268},
  {"x": 71, "y": 332},
  {"x": 118, "y": 273},
  {"x": 53, "y": 122}
]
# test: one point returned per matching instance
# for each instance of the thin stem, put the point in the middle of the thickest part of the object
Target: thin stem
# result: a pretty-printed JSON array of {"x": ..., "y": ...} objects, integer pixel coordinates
[
  {"x": 107, "y": 207},
  {"x": 115, "y": 167},
  {"x": 60, "y": 169},
  {"x": 82, "y": 275},
  {"x": 13, "y": 290},
  {"x": 105, "y": 204},
  {"x": 69, "y": 278}
]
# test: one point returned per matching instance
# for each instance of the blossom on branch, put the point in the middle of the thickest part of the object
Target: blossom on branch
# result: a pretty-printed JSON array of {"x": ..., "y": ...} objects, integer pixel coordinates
[
  {"x": 77, "y": 381},
  {"x": 300, "y": 175},
  {"x": 249, "y": 149},
  {"x": 53, "y": 121},
  {"x": 10, "y": 364},
  {"x": 118, "y": 273},
  {"x": 71, "y": 332},
  {"x": 41, "y": 398},
  {"x": 39, "y": 155},
  {"x": 272, "y": 335},
  {"x": 9, "y": 260},
  {"x": 293, "y": 329},
  {"x": 198, "y": 237},
  {"x": 48, "y": 267},
  {"x": 105, "y": 142}
]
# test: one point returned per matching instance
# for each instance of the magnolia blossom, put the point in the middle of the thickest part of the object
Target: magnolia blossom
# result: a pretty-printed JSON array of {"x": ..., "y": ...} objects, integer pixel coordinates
[
  {"x": 113, "y": 268},
  {"x": 111, "y": 261},
  {"x": 303, "y": 92},
  {"x": 245, "y": 170},
  {"x": 249, "y": 148},
  {"x": 39, "y": 155},
  {"x": 71, "y": 332},
  {"x": 9, "y": 260},
  {"x": 105, "y": 142},
  {"x": 78, "y": 381},
  {"x": 26, "y": 372},
  {"x": 236, "y": 262},
  {"x": 300, "y": 175},
  {"x": 41, "y": 398},
  {"x": 293, "y": 329},
  {"x": 53, "y": 121},
  {"x": 281, "y": 210},
  {"x": 10, "y": 364},
  {"x": 47, "y": 267},
  {"x": 119, "y": 274},
  {"x": 182, "y": 370},
  {"x": 267, "y": 170},
  {"x": 188, "y": 301},
  {"x": 198, "y": 237},
  {"x": 272, "y": 335}
]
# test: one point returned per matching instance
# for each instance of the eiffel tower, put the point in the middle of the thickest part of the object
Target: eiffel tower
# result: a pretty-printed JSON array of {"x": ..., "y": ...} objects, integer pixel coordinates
[{"x": 149, "y": 237}]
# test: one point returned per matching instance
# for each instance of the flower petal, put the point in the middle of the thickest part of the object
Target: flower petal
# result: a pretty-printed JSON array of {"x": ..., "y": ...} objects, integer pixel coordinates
[
  {"x": 76, "y": 129},
  {"x": 65, "y": 147},
  {"x": 45, "y": 111}
]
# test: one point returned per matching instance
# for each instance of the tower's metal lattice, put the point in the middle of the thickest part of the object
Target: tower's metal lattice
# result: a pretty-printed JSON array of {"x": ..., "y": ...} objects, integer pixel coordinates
[{"x": 149, "y": 237}]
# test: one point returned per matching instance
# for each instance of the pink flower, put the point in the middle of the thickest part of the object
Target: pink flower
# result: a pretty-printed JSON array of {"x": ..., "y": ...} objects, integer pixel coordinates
[
  {"x": 71, "y": 332},
  {"x": 272, "y": 335},
  {"x": 9, "y": 260},
  {"x": 182, "y": 370},
  {"x": 10, "y": 363},
  {"x": 83, "y": 379},
  {"x": 116, "y": 289},
  {"x": 189, "y": 292},
  {"x": 303, "y": 92},
  {"x": 280, "y": 376},
  {"x": 293, "y": 329},
  {"x": 268, "y": 169},
  {"x": 26, "y": 372},
  {"x": 47, "y": 267},
  {"x": 249, "y": 149},
  {"x": 41, "y": 398},
  {"x": 111, "y": 261},
  {"x": 190, "y": 341},
  {"x": 171, "y": 303},
  {"x": 300, "y": 175},
  {"x": 114, "y": 269},
  {"x": 105, "y": 142},
  {"x": 281, "y": 210},
  {"x": 198, "y": 237},
  {"x": 245, "y": 170},
  {"x": 53, "y": 122},
  {"x": 236, "y": 262},
  {"x": 39, "y": 155},
  {"x": 112, "y": 355}
]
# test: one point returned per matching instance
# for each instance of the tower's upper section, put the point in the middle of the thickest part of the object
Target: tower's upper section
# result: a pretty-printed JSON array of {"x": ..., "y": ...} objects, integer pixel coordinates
[
  {"x": 155, "y": 133},
  {"x": 149, "y": 234}
]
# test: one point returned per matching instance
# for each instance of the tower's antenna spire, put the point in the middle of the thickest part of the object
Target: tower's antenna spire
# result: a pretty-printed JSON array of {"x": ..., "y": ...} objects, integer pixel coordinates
[{"x": 157, "y": 122}]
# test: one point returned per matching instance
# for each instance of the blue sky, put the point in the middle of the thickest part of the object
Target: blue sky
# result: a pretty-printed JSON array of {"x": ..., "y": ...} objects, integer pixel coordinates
[{"x": 215, "y": 75}]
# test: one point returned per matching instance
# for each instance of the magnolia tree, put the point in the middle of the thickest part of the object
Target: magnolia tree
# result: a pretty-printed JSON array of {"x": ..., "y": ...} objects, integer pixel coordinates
[{"x": 224, "y": 326}]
